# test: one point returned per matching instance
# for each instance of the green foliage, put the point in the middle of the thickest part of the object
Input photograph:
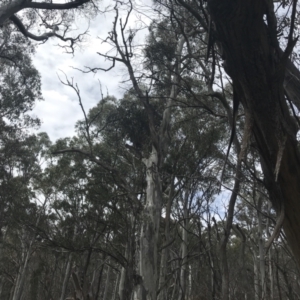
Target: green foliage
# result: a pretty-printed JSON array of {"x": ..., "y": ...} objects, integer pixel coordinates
[{"x": 20, "y": 84}]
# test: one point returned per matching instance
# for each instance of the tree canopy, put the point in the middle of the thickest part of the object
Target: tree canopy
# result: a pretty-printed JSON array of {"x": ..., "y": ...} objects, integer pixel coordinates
[{"x": 180, "y": 188}]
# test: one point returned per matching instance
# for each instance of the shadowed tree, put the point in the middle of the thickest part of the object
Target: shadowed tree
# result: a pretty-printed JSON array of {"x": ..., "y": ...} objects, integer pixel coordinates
[{"x": 244, "y": 35}]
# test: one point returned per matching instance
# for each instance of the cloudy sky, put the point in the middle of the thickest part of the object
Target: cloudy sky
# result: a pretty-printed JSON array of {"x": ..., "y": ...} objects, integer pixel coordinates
[{"x": 60, "y": 109}]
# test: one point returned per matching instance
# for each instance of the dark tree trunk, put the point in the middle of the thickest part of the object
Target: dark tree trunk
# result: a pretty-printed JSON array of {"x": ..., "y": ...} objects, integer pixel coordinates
[{"x": 257, "y": 70}]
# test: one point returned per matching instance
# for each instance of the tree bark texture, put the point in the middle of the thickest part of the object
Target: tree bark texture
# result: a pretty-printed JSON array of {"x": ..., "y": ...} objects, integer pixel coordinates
[
  {"x": 258, "y": 70},
  {"x": 165, "y": 251},
  {"x": 147, "y": 284},
  {"x": 149, "y": 232}
]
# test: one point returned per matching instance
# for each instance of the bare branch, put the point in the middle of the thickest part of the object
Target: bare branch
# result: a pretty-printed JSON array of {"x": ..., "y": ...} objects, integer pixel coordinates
[
  {"x": 26, "y": 33},
  {"x": 44, "y": 37},
  {"x": 87, "y": 124},
  {"x": 56, "y": 6}
]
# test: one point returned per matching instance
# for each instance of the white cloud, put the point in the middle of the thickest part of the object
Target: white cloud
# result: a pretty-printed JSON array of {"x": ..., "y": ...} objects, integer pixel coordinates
[{"x": 60, "y": 110}]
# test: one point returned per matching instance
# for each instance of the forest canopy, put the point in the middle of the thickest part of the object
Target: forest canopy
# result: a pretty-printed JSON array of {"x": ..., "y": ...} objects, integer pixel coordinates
[{"x": 185, "y": 187}]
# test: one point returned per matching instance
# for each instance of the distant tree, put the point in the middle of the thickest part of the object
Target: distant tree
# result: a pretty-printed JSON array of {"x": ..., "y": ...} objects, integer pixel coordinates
[{"x": 265, "y": 82}]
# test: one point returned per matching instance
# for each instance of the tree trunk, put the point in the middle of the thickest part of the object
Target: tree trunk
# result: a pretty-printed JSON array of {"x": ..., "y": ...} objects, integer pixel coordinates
[
  {"x": 257, "y": 71},
  {"x": 227, "y": 230},
  {"x": 2, "y": 240},
  {"x": 261, "y": 243},
  {"x": 256, "y": 278},
  {"x": 23, "y": 268},
  {"x": 115, "y": 291},
  {"x": 243, "y": 272},
  {"x": 66, "y": 277},
  {"x": 9, "y": 9},
  {"x": 21, "y": 277},
  {"x": 270, "y": 256},
  {"x": 121, "y": 286},
  {"x": 126, "y": 282},
  {"x": 184, "y": 250},
  {"x": 97, "y": 295},
  {"x": 165, "y": 251},
  {"x": 190, "y": 282},
  {"x": 147, "y": 286},
  {"x": 107, "y": 283}
]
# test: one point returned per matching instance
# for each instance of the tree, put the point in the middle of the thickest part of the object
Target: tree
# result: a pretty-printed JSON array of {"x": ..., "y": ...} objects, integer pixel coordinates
[
  {"x": 30, "y": 9},
  {"x": 245, "y": 36},
  {"x": 134, "y": 207},
  {"x": 257, "y": 68}
]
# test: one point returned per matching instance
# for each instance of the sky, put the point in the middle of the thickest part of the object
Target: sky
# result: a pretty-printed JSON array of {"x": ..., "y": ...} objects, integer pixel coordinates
[{"x": 60, "y": 109}]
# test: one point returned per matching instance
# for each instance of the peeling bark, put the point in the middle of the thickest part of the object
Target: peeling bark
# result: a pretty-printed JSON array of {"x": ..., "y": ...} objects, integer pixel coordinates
[
  {"x": 258, "y": 71},
  {"x": 150, "y": 229},
  {"x": 147, "y": 283}
]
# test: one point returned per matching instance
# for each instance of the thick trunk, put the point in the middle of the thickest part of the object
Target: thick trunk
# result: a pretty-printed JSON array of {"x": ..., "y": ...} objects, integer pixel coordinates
[
  {"x": 147, "y": 288},
  {"x": 165, "y": 252},
  {"x": 258, "y": 73},
  {"x": 10, "y": 8}
]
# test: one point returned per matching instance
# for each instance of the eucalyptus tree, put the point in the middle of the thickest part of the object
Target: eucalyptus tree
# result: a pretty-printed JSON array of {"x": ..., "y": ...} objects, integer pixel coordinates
[
  {"x": 245, "y": 36},
  {"x": 110, "y": 141},
  {"x": 19, "y": 89},
  {"x": 170, "y": 67},
  {"x": 191, "y": 163},
  {"x": 22, "y": 210}
]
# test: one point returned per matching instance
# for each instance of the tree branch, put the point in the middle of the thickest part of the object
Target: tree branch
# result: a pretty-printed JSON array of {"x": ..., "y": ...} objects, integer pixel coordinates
[
  {"x": 56, "y": 6},
  {"x": 26, "y": 33}
]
